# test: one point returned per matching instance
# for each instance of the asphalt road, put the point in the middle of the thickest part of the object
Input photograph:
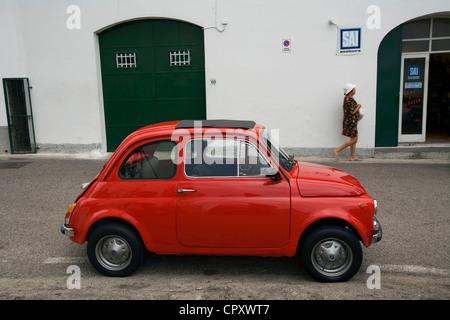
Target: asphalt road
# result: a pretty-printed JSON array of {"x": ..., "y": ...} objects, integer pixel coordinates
[{"x": 38, "y": 262}]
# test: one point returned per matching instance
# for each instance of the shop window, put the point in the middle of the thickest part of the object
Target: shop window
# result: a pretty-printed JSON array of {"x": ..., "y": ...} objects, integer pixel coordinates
[
  {"x": 417, "y": 29},
  {"x": 440, "y": 45},
  {"x": 415, "y": 46},
  {"x": 441, "y": 27},
  {"x": 418, "y": 35}
]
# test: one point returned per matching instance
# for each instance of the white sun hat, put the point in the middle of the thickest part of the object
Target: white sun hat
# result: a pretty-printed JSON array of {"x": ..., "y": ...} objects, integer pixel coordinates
[{"x": 348, "y": 87}]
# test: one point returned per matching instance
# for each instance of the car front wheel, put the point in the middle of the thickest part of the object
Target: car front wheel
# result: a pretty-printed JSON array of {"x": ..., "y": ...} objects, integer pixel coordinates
[
  {"x": 331, "y": 254},
  {"x": 115, "y": 250}
]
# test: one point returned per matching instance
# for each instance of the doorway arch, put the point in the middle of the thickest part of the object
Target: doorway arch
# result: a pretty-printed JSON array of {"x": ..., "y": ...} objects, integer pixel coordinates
[
  {"x": 407, "y": 110},
  {"x": 152, "y": 71}
]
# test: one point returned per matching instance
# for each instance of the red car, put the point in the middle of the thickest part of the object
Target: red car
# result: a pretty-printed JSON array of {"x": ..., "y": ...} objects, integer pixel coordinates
[{"x": 220, "y": 187}]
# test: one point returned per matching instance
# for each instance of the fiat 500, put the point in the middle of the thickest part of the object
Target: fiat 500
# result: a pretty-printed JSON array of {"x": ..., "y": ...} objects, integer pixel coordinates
[{"x": 220, "y": 187}]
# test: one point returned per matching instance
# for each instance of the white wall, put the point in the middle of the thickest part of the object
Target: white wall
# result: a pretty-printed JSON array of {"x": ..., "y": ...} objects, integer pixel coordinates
[
  {"x": 299, "y": 92},
  {"x": 11, "y": 53}
]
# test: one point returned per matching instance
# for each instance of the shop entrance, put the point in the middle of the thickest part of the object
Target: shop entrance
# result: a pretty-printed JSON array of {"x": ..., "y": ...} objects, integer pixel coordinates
[
  {"x": 413, "y": 104},
  {"x": 425, "y": 85},
  {"x": 425, "y": 101},
  {"x": 413, "y": 98}
]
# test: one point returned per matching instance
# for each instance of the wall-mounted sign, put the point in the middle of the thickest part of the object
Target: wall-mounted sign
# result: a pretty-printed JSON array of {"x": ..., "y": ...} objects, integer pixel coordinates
[
  {"x": 349, "y": 41},
  {"x": 286, "y": 45}
]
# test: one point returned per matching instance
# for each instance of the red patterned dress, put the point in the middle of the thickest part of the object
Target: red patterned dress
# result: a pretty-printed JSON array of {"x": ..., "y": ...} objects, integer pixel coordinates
[{"x": 350, "y": 125}]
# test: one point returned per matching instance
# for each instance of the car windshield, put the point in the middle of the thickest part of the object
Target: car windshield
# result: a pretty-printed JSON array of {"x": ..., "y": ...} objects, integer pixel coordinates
[{"x": 271, "y": 139}]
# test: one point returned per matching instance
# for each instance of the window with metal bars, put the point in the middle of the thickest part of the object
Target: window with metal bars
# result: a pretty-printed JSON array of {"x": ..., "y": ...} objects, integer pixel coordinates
[
  {"x": 126, "y": 60},
  {"x": 180, "y": 58}
]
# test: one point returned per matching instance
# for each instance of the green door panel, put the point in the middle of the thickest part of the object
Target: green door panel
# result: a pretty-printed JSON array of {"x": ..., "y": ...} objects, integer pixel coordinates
[
  {"x": 129, "y": 87},
  {"x": 153, "y": 90},
  {"x": 388, "y": 88}
]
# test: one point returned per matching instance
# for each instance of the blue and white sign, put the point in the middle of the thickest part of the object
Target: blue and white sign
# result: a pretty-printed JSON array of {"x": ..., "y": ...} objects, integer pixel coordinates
[
  {"x": 413, "y": 85},
  {"x": 349, "y": 41},
  {"x": 414, "y": 72}
]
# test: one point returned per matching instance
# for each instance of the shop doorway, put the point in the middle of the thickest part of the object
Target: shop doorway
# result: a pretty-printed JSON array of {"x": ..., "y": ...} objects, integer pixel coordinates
[
  {"x": 425, "y": 85},
  {"x": 438, "y": 107},
  {"x": 425, "y": 98},
  {"x": 413, "y": 98},
  {"x": 413, "y": 103}
]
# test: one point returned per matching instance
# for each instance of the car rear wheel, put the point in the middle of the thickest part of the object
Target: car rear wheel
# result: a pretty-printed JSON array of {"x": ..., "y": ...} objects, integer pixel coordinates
[
  {"x": 331, "y": 254},
  {"x": 115, "y": 250}
]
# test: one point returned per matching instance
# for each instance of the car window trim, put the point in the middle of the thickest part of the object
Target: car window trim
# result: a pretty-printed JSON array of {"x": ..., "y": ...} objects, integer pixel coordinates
[{"x": 238, "y": 156}]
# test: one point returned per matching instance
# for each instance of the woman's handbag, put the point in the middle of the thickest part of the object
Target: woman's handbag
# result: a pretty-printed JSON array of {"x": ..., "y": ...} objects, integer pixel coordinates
[{"x": 361, "y": 113}]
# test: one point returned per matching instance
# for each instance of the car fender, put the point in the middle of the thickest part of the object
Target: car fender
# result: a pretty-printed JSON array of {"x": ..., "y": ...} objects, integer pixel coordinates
[
  {"x": 111, "y": 215},
  {"x": 331, "y": 216}
]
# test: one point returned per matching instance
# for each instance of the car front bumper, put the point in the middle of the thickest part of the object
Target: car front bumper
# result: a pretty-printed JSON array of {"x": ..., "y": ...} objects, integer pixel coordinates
[{"x": 67, "y": 231}]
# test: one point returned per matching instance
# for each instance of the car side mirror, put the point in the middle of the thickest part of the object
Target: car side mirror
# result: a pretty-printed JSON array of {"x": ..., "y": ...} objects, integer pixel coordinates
[{"x": 271, "y": 173}]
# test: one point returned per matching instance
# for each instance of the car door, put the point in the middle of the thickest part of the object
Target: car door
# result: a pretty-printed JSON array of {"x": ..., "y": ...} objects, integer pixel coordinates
[
  {"x": 144, "y": 188},
  {"x": 225, "y": 199}
]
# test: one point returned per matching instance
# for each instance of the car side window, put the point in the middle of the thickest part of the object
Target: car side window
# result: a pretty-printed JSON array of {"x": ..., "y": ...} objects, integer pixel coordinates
[
  {"x": 150, "y": 161},
  {"x": 251, "y": 161},
  {"x": 223, "y": 158}
]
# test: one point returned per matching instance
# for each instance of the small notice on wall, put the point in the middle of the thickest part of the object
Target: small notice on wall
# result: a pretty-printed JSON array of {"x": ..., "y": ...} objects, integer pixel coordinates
[
  {"x": 286, "y": 45},
  {"x": 349, "y": 41}
]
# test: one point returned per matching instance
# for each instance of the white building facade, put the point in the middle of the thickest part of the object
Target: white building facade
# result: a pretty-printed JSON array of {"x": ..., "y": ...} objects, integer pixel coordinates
[{"x": 80, "y": 75}]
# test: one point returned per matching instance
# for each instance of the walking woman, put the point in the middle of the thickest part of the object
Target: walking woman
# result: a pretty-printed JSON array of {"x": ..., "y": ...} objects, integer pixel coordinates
[{"x": 350, "y": 125}]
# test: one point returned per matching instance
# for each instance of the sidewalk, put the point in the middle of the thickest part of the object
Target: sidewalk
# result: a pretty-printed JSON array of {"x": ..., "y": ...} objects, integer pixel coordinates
[{"x": 415, "y": 151}]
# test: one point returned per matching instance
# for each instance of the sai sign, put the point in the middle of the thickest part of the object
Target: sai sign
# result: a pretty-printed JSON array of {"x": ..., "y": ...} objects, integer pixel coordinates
[
  {"x": 413, "y": 72},
  {"x": 349, "y": 41}
]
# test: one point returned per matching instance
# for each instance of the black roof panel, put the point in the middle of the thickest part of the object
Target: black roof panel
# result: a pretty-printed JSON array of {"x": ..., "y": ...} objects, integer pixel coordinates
[{"x": 236, "y": 124}]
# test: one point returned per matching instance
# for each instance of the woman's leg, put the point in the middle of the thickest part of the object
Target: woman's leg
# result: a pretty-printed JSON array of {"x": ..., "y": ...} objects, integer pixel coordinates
[
  {"x": 353, "y": 148},
  {"x": 352, "y": 144}
]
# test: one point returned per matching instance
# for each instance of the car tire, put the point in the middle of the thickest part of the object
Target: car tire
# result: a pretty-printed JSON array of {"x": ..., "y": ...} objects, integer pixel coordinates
[
  {"x": 115, "y": 250},
  {"x": 331, "y": 254}
]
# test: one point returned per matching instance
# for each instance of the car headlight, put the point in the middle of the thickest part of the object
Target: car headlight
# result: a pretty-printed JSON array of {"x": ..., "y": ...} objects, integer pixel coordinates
[{"x": 69, "y": 213}]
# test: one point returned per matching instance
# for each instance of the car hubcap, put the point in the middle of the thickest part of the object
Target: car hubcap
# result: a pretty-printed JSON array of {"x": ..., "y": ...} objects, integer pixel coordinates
[
  {"x": 113, "y": 253},
  {"x": 332, "y": 257}
]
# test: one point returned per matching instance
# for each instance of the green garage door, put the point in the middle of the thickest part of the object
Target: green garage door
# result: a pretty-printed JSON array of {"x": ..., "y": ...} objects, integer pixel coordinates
[{"x": 152, "y": 71}]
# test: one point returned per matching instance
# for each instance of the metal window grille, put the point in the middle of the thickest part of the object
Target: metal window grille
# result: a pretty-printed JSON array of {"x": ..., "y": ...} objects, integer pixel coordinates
[
  {"x": 180, "y": 58},
  {"x": 126, "y": 60}
]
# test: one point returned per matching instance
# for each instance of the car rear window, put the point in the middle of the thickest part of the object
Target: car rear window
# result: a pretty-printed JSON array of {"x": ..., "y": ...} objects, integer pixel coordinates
[{"x": 150, "y": 161}]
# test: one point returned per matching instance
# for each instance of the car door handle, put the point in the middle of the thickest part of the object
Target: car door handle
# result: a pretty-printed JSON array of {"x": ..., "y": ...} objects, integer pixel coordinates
[{"x": 186, "y": 190}]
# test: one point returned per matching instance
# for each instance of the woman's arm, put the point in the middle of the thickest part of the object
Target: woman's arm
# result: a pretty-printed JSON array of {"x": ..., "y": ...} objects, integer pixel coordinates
[{"x": 356, "y": 109}]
